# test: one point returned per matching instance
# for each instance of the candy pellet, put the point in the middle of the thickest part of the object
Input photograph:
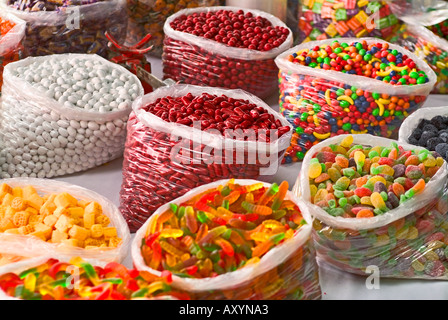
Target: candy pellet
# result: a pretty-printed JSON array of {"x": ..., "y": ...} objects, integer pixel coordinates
[
  {"x": 320, "y": 107},
  {"x": 203, "y": 64}
]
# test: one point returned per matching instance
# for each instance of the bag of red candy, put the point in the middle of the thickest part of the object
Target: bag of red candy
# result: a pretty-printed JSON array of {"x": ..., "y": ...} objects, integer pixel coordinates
[
  {"x": 234, "y": 239},
  {"x": 225, "y": 47},
  {"x": 183, "y": 136},
  {"x": 378, "y": 205},
  {"x": 349, "y": 86},
  {"x": 12, "y": 31}
]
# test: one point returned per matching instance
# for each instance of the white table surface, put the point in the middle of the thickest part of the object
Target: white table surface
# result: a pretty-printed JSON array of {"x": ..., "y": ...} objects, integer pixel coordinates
[{"x": 336, "y": 285}]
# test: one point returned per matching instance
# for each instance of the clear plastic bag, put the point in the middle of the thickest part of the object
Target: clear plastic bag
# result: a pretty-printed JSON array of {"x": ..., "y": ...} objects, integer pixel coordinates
[
  {"x": 407, "y": 242},
  {"x": 11, "y": 42},
  {"x": 312, "y": 100},
  {"x": 430, "y": 48},
  {"x": 74, "y": 29},
  {"x": 30, "y": 246},
  {"x": 43, "y": 138},
  {"x": 199, "y": 61},
  {"x": 411, "y": 123},
  {"x": 420, "y": 12},
  {"x": 288, "y": 271},
  {"x": 149, "y": 16},
  {"x": 163, "y": 160},
  {"x": 342, "y": 18}
]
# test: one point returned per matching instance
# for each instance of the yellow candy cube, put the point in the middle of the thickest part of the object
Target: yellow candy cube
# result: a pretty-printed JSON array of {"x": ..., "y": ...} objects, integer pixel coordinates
[
  {"x": 109, "y": 232},
  {"x": 65, "y": 200},
  {"x": 93, "y": 208},
  {"x": 64, "y": 223},
  {"x": 57, "y": 236},
  {"x": 79, "y": 233},
  {"x": 96, "y": 231}
]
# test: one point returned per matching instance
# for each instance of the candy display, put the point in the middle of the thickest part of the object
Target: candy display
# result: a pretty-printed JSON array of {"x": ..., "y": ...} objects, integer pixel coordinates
[
  {"x": 69, "y": 26},
  {"x": 344, "y": 86},
  {"x": 427, "y": 128},
  {"x": 440, "y": 29},
  {"x": 430, "y": 48},
  {"x": 63, "y": 114},
  {"x": 12, "y": 31},
  {"x": 38, "y": 216},
  {"x": 184, "y": 136},
  {"x": 405, "y": 240},
  {"x": 62, "y": 278},
  {"x": 225, "y": 47},
  {"x": 357, "y": 175},
  {"x": 232, "y": 239},
  {"x": 327, "y": 19},
  {"x": 149, "y": 16}
]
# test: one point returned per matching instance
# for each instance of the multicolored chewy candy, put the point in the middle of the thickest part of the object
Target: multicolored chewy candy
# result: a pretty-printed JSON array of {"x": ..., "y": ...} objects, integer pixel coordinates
[
  {"x": 80, "y": 280},
  {"x": 421, "y": 42},
  {"x": 351, "y": 180},
  {"x": 412, "y": 247},
  {"x": 319, "y": 107},
  {"x": 225, "y": 229},
  {"x": 326, "y": 19}
]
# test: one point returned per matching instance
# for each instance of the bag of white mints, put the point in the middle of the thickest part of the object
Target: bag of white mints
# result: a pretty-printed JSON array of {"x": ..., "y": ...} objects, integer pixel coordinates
[{"x": 63, "y": 114}]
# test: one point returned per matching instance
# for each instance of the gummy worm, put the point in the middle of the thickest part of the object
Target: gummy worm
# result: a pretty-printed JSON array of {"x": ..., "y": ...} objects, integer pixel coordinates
[{"x": 347, "y": 98}]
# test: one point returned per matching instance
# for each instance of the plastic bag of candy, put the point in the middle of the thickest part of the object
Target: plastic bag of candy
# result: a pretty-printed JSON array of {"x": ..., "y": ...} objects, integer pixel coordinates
[
  {"x": 322, "y": 20},
  {"x": 63, "y": 114},
  {"x": 149, "y": 16},
  {"x": 61, "y": 277},
  {"x": 430, "y": 48},
  {"x": 378, "y": 205},
  {"x": 232, "y": 239},
  {"x": 69, "y": 26},
  {"x": 183, "y": 136},
  {"x": 420, "y": 12},
  {"x": 12, "y": 30},
  {"x": 41, "y": 216},
  {"x": 427, "y": 128},
  {"x": 349, "y": 85},
  {"x": 237, "y": 51}
]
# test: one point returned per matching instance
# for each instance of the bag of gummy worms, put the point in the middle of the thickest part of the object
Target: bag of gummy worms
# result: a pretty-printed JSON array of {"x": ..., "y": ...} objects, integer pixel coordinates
[
  {"x": 322, "y": 20},
  {"x": 285, "y": 271},
  {"x": 12, "y": 31},
  {"x": 406, "y": 236},
  {"x": 149, "y": 16},
  {"x": 204, "y": 60},
  {"x": 72, "y": 26},
  {"x": 23, "y": 232},
  {"x": 183, "y": 136},
  {"x": 62, "y": 277},
  {"x": 323, "y": 103},
  {"x": 430, "y": 48}
]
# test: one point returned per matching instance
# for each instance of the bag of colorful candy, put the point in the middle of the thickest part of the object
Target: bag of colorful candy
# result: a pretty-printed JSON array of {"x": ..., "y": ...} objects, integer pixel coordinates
[
  {"x": 349, "y": 85},
  {"x": 42, "y": 216},
  {"x": 61, "y": 277},
  {"x": 12, "y": 30},
  {"x": 379, "y": 205},
  {"x": 322, "y": 20},
  {"x": 149, "y": 16},
  {"x": 427, "y": 128},
  {"x": 430, "y": 48},
  {"x": 232, "y": 239},
  {"x": 69, "y": 26},
  {"x": 226, "y": 47},
  {"x": 63, "y": 114},
  {"x": 183, "y": 136}
]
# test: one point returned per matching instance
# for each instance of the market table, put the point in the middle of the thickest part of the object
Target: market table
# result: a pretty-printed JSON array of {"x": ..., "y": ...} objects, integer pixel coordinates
[{"x": 106, "y": 180}]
